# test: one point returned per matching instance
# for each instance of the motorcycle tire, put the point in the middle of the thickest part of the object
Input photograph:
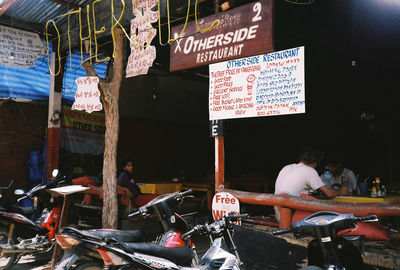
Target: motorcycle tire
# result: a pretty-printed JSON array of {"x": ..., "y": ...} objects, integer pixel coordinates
[
  {"x": 90, "y": 266},
  {"x": 7, "y": 261},
  {"x": 311, "y": 267}
]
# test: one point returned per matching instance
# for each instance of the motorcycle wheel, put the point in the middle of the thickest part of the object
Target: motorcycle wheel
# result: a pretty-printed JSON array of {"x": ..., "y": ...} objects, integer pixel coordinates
[
  {"x": 90, "y": 266},
  {"x": 7, "y": 261}
]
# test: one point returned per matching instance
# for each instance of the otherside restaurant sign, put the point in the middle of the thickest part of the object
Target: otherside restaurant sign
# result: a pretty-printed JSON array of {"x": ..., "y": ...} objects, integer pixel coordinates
[
  {"x": 82, "y": 132},
  {"x": 243, "y": 31}
]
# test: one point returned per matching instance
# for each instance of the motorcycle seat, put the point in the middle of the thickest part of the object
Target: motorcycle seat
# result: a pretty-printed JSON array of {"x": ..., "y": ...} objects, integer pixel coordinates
[
  {"x": 180, "y": 255},
  {"x": 26, "y": 211},
  {"x": 123, "y": 236}
]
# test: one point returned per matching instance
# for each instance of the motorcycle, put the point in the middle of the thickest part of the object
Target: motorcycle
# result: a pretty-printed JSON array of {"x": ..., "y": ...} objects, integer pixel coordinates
[
  {"x": 19, "y": 235},
  {"x": 327, "y": 250},
  {"x": 222, "y": 254},
  {"x": 79, "y": 252}
]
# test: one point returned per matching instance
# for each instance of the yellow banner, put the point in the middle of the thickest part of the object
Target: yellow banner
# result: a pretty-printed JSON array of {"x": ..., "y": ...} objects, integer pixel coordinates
[{"x": 84, "y": 121}]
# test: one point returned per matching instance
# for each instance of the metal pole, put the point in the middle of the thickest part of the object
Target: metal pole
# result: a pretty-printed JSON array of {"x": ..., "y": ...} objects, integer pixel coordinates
[{"x": 53, "y": 126}]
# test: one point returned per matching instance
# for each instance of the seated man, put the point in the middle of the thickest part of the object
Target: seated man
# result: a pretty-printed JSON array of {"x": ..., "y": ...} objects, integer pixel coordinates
[
  {"x": 301, "y": 177},
  {"x": 127, "y": 183},
  {"x": 340, "y": 174}
]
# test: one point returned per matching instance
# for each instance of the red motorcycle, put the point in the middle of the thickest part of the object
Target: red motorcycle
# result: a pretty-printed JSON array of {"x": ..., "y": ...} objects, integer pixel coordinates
[{"x": 19, "y": 234}]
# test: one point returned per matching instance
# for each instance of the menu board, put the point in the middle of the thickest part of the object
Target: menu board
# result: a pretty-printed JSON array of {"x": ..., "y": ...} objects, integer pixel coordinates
[
  {"x": 19, "y": 48},
  {"x": 263, "y": 85}
]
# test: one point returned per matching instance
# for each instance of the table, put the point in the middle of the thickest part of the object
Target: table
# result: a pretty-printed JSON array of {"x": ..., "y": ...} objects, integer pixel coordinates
[
  {"x": 207, "y": 188},
  {"x": 360, "y": 199},
  {"x": 159, "y": 188}
]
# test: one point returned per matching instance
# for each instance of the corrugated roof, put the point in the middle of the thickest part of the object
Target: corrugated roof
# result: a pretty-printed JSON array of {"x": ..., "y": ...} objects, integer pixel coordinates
[{"x": 40, "y": 11}]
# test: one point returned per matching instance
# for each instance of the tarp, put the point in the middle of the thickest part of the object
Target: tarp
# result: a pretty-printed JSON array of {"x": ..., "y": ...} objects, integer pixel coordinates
[
  {"x": 19, "y": 83},
  {"x": 74, "y": 71},
  {"x": 26, "y": 84}
]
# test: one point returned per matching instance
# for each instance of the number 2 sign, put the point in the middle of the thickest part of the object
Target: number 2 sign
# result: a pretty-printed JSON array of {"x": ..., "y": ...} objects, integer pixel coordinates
[{"x": 243, "y": 31}]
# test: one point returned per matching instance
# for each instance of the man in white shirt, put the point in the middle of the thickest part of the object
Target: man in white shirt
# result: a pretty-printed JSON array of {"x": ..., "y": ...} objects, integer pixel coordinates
[{"x": 295, "y": 179}]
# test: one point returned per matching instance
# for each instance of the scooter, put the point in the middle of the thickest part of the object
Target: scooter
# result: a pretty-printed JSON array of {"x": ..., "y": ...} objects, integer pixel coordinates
[
  {"x": 19, "y": 235},
  {"x": 221, "y": 255},
  {"x": 327, "y": 250},
  {"x": 79, "y": 252}
]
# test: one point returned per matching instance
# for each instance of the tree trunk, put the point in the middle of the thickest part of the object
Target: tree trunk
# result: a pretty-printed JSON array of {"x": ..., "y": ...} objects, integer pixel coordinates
[{"x": 110, "y": 96}]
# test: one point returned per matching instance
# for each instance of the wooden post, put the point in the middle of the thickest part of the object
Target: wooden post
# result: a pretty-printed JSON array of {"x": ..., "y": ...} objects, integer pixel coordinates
[
  {"x": 285, "y": 218},
  {"x": 53, "y": 122},
  {"x": 63, "y": 221},
  {"x": 219, "y": 163}
]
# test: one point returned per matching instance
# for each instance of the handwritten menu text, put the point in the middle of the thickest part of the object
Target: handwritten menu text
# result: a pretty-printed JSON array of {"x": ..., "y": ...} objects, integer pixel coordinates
[{"x": 262, "y": 85}]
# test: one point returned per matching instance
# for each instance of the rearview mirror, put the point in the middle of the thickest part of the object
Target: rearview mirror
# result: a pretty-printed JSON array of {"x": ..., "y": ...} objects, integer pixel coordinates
[
  {"x": 54, "y": 173},
  {"x": 19, "y": 192}
]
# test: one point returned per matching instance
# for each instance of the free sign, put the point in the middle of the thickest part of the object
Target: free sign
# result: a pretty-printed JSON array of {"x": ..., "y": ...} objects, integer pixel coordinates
[{"x": 223, "y": 204}]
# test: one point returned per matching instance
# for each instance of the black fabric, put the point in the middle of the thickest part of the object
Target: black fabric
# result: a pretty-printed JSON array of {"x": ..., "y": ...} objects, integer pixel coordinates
[
  {"x": 123, "y": 236},
  {"x": 349, "y": 255},
  {"x": 262, "y": 251},
  {"x": 26, "y": 211},
  {"x": 179, "y": 255}
]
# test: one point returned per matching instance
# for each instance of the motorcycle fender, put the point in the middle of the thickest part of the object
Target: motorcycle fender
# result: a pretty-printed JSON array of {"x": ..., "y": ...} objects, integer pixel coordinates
[{"x": 69, "y": 258}]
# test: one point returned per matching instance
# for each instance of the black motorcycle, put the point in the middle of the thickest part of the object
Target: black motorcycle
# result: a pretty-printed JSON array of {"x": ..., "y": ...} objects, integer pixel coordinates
[
  {"x": 327, "y": 250},
  {"x": 80, "y": 253},
  {"x": 117, "y": 254}
]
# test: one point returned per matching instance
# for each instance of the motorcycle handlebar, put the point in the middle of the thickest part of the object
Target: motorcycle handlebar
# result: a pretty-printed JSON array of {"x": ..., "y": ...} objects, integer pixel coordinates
[
  {"x": 9, "y": 185},
  {"x": 236, "y": 217},
  {"x": 187, "y": 192},
  {"x": 197, "y": 228},
  {"x": 20, "y": 199},
  {"x": 371, "y": 217},
  {"x": 279, "y": 232},
  {"x": 187, "y": 234},
  {"x": 134, "y": 214},
  {"x": 140, "y": 211}
]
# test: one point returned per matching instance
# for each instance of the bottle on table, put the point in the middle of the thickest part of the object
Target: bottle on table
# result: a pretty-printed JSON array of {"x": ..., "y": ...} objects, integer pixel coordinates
[
  {"x": 326, "y": 177},
  {"x": 378, "y": 187},
  {"x": 373, "y": 190},
  {"x": 383, "y": 191}
]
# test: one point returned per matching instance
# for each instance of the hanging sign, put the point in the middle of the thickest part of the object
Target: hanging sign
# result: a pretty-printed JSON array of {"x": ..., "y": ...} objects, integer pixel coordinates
[
  {"x": 19, "y": 48},
  {"x": 142, "y": 33},
  {"x": 243, "y": 31},
  {"x": 224, "y": 203},
  {"x": 262, "y": 85},
  {"x": 87, "y": 96},
  {"x": 82, "y": 132}
]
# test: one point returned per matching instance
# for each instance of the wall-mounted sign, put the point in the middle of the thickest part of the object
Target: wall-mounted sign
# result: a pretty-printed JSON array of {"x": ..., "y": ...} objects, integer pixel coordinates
[
  {"x": 243, "y": 31},
  {"x": 224, "y": 203},
  {"x": 87, "y": 96},
  {"x": 82, "y": 132},
  {"x": 19, "y": 48},
  {"x": 142, "y": 33},
  {"x": 262, "y": 85}
]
